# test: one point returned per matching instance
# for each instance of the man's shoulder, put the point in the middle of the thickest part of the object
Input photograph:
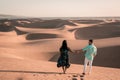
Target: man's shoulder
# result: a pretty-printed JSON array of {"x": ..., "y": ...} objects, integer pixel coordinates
[{"x": 94, "y": 46}]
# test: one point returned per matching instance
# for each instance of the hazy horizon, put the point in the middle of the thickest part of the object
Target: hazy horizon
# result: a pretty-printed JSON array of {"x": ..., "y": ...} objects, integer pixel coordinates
[{"x": 60, "y": 8}]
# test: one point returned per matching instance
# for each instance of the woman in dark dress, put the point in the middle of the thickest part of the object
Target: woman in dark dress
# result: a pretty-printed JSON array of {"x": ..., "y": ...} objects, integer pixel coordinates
[{"x": 63, "y": 60}]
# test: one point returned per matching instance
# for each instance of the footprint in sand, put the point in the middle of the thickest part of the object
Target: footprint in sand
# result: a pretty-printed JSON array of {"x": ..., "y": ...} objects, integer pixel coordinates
[
  {"x": 20, "y": 79},
  {"x": 75, "y": 75},
  {"x": 74, "y": 79},
  {"x": 81, "y": 77},
  {"x": 34, "y": 75}
]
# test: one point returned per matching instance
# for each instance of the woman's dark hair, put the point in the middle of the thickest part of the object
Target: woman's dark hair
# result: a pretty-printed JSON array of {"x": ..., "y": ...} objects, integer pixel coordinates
[{"x": 64, "y": 45}]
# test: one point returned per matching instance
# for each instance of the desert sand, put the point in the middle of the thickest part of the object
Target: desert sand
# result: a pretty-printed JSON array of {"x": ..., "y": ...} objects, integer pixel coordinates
[{"x": 30, "y": 51}]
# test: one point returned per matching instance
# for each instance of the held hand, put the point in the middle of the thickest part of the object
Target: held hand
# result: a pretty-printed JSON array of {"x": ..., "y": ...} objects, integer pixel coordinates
[
  {"x": 78, "y": 51},
  {"x": 72, "y": 51}
]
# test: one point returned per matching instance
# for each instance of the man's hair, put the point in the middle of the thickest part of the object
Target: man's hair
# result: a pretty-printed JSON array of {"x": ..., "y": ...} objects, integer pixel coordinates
[{"x": 91, "y": 40}]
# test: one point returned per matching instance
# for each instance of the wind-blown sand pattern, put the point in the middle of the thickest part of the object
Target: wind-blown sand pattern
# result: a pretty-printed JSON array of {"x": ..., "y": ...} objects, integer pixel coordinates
[{"x": 29, "y": 49}]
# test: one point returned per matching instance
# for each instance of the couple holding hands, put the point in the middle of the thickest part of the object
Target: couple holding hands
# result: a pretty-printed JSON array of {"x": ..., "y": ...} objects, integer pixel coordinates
[{"x": 90, "y": 52}]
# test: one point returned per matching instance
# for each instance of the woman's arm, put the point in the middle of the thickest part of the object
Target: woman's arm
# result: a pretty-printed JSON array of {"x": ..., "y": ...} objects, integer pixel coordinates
[
  {"x": 79, "y": 51},
  {"x": 70, "y": 50}
]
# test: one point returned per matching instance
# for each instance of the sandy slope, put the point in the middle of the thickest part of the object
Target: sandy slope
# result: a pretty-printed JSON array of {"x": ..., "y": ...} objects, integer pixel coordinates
[
  {"x": 27, "y": 54},
  {"x": 17, "y": 69}
]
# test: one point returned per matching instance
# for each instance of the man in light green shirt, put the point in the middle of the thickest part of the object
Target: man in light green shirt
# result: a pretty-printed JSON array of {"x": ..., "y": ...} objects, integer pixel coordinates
[{"x": 90, "y": 52}]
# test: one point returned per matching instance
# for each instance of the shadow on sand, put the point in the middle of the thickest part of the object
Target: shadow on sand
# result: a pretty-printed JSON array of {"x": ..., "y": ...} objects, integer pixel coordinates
[
  {"x": 106, "y": 57},
  {"x": 39, "y": 72}
]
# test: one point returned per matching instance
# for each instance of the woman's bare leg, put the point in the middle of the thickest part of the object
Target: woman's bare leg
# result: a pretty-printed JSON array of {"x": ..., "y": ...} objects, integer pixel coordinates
[{"x": 63, "y": 69}]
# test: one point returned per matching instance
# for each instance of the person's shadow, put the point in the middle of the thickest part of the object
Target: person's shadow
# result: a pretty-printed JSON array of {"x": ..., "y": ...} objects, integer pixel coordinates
[{"x": 20, "y": 71}]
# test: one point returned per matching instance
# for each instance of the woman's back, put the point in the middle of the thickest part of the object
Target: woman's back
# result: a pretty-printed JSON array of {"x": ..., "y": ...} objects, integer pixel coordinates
[{"x": 64, "y": 53}]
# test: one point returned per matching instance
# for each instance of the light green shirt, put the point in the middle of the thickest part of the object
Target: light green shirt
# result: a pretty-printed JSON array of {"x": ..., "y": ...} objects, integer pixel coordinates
[{"x": 91, "y": 50}]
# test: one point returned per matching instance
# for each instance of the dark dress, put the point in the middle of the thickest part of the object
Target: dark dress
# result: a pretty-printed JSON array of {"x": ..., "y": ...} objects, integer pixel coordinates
[{"x": 63, "y": 60}]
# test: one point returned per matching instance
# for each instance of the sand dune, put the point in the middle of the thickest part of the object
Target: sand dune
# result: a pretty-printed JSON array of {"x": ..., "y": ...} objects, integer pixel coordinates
[
  {"x": 5, "y": 28},
  {"x": 35, "y": 36},
  {"x": 49, "y": 24},
  {"x": 88, "y": 21},
  {"x": 59, "y": 32},
  {"x": 19, "y": 32},
  {"x": 30, "y": 52},
  {"x": 107, "y": 30}
]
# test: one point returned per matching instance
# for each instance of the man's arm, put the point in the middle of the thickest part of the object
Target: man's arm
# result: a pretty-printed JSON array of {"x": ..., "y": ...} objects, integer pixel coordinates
[
  {"x": 79, "y": 51},
  {"x": 95, "y": 52}
]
